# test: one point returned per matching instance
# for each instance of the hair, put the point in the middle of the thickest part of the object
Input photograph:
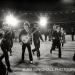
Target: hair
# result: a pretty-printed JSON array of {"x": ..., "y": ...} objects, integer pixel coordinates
[{"x": 26, "y": 23}]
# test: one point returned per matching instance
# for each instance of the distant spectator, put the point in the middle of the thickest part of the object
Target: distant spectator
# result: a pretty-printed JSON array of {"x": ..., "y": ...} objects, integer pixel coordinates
[{"x": 72, "y": 34}]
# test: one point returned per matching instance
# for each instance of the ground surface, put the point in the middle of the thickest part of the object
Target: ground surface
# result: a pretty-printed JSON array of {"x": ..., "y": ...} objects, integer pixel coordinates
[{"x": 49, "y": 64}]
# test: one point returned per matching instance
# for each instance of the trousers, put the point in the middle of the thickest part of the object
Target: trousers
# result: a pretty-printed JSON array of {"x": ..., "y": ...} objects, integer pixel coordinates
[
  {"x": 29, "y": 50},
  {"x": 56, "y": 43}
]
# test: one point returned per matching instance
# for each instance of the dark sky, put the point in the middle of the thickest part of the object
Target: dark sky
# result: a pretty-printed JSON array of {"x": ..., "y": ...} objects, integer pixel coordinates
[
  {"x": 32, "y": 4},
  {"x": 28, "y": 4}
]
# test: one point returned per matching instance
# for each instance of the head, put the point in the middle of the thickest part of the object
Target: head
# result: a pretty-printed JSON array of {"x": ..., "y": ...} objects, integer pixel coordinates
[
  {"x": 61, "y": 29},
  {"x": 26, "y": 25},
  {"x": 54, "y": 27},
  {"x": 7, "y": 28},
  {"x": 58, "y": 28},
  {"x": 36, "y": 25}
]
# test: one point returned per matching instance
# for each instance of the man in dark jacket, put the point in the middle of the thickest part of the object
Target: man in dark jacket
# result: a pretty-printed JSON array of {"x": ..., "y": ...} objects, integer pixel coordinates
[
  {"x": 5, "y": 46},
  {"x": 36, "y": 39},
  {"x": 56, "y": 40},
  {"x": 26, "y": 42}
]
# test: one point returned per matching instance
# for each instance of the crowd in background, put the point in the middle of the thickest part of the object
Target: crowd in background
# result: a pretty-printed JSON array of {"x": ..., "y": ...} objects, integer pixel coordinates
[{"x": 56, "y": 35}]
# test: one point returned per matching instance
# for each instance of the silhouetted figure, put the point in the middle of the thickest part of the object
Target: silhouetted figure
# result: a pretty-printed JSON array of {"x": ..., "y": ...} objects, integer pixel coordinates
[
  {"x": 3, "y": 70},
  {"x": 72, "y": 34},
  {"x": 63, "y": 37},
  {"x": 49, "y": 34},
  {"x": 5, "y": 46},
  {"x": 56, "y": 38},
  {"x": 36, "y": 39}
]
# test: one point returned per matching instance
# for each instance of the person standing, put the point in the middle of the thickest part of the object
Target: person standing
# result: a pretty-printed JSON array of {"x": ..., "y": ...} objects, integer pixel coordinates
[{"x": 23, "y": 41}]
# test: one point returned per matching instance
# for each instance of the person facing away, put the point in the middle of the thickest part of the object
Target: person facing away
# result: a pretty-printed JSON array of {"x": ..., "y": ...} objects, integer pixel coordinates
[
  {"x": 56, "y": 38},
  {"x": 36, "y": 39}
]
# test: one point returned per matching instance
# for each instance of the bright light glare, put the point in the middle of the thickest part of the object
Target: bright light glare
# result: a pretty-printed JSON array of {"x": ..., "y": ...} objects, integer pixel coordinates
[
  {"x": 43, "y": 21},
  {"x": 67, "y": 1},
  {"x": 11, "y": 20}
]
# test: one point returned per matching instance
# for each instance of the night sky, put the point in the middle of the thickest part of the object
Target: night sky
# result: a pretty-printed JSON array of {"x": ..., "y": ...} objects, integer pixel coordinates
[{"x": 31, "y": 4}]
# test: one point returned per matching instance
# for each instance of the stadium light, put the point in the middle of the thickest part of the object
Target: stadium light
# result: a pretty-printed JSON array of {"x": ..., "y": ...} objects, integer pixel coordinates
[
  {"x": 11, "y": 20},
  {"x": 43, "y": 21},
  {"x": 68, "y": 1}
]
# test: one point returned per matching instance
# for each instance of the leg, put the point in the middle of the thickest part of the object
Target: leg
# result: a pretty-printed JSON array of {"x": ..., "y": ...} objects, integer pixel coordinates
[
  {"x": 29, "y": 50},
  {"x": 45, "y": 37},
  {"x": 72, "y": 37},
  {"x": 35, "y": 47},
  {"x": 2, "y": 68},
  {"x": 10, "y": 52},
  {"x": 53, "y": 47},
  {"x": 11, "y": 47},
  {"x": 62, "y": 44},
  {"x": 34, "y": 50},
  {"x": 59, "y": 47},
  {"x": 49, "y": 37},
  {"x": 38, "y": 52},
  {"x": 5, "y": 52},
  {"x": 23, "y": 51},
  {"x": 2, "y": 56}
]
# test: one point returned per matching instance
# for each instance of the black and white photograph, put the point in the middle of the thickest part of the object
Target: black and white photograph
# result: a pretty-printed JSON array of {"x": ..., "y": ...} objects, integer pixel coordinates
[{"x": 37, "y": 37}]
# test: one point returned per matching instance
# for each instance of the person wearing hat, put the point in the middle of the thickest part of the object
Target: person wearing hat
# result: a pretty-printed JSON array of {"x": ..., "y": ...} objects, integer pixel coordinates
[{"x": 23, "y": 41}]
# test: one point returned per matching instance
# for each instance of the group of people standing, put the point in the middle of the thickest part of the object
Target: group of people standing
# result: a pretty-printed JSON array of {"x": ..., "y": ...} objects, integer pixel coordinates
[{"x": 29, "y": 34}]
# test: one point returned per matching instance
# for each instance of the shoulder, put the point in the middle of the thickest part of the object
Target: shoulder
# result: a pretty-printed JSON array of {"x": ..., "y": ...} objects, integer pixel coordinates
[{"x": 23, "y": 30}]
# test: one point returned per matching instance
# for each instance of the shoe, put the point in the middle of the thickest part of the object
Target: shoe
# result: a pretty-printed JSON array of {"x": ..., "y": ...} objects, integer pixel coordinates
[
  {"x": 31, "y": 62},
  {"x": 9, "y": 70}
]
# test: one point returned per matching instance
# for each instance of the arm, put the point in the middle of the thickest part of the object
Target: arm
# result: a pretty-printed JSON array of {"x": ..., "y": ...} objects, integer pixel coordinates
[
  {"x": 40, "y": 36},
  {"x": 20, "y": 36},
  {"x": 13, "y": 35},
  {"x": 53, "y": 35}
]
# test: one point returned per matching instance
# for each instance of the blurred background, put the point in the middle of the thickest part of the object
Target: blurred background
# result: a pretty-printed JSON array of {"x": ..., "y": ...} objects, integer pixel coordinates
[{"x": 59, "y": 12}]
